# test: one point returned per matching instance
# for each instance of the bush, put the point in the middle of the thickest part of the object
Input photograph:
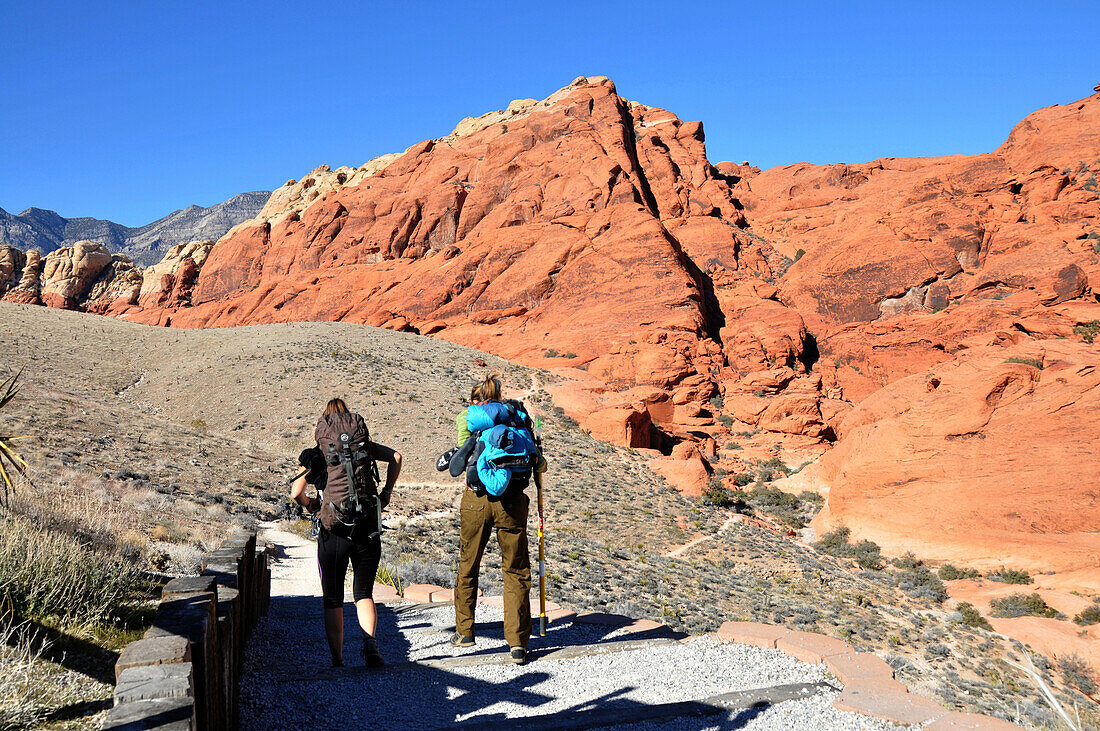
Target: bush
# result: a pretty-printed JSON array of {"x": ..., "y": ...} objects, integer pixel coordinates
[
  {"x": 918, "y": 581},
  {"x": 25, "y": 700},
  {"x": 1020, "y": 605},
  {"x": 782, "y": 505},
  {"x": 948, "y": 572},
  {"x": 865, "y": 553},
  {"x": 1009, "y": 576},
  {"x": 742, "y": 478},
  {"x": 1033, "y": 362},
  {"x": 56, "y": 577},
  {"x": 1088, "y": 615},
  {"x": 971, "y": 617},
  {"x": 1075, "y": 672},
  {"x": 1089, "y": 330}
]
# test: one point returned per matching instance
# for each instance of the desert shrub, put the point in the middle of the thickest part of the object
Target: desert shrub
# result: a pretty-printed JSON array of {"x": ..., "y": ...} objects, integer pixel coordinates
[
  {"x": 742, "y": 478},
  {"x": 550, "y": 353},
  {"x": 1033, "y": 362},
  {"x": 949, "y": 572},
  {"x": 865, "y": 553},
  {"x": 725, "y": 420},
  {"x": 57, "y": 577},
  {"x": 716, "y": 494},
  {"x": 918, "y": 581},
  {"x": 716, "y": 402},
  {"x": 1075, "y": 672},
  {"x": 413, "y": 571},
  {"x": 1020, "y": 605},
  {"x": 1088, "y": 615},
  {"x": 388, "y": 575},
  {"x": 971, "y": 617},
  {"x": 1009, "y": 576},
  {"x": 1089, "y": 330},
  {"x": 782, "y": 505},
  {"x": 799, "y": 254}
]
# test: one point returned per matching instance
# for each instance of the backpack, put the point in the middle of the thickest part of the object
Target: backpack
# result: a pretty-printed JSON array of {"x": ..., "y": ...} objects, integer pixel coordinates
[
  {"x": 503, "y": 453},
  {"x": 350, "y": 507}
]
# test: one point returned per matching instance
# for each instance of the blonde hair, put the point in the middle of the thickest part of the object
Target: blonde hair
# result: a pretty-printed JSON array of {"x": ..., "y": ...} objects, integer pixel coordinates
[
  {"x": 336, "y": 406},
  {"x": 487, "y": 390}
]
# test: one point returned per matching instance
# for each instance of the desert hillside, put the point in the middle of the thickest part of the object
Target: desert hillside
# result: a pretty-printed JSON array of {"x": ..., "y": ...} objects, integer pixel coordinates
[{"x": 194, "y": 429}]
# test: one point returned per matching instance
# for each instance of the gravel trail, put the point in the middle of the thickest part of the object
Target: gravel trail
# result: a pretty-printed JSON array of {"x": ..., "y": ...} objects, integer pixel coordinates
[{"x": 288, "y": 683}]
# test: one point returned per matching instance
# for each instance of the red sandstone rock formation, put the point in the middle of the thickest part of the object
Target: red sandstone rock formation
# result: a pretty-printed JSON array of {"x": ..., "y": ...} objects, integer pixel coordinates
[{"x": 873, "y": 302}]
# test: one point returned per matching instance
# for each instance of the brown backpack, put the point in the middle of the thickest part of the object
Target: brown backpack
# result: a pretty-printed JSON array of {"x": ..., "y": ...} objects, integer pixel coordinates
[{"x": 345, "y": 443}]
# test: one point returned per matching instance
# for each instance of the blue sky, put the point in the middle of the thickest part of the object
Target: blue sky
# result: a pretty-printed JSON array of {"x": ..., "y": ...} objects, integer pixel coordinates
[{"x": 129, "y": 110}]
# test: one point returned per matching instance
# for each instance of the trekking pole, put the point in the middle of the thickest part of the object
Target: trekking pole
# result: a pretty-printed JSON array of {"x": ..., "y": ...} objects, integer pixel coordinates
[{"x": 542, "y": 542}]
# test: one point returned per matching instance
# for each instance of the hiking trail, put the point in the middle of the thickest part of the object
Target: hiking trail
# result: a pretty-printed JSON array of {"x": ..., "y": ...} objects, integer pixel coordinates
[{"x": 581, "y": 675}]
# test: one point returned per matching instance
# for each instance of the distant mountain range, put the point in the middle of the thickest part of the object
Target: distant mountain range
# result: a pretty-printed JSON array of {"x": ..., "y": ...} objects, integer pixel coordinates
[{"x": 37, "y": 228}]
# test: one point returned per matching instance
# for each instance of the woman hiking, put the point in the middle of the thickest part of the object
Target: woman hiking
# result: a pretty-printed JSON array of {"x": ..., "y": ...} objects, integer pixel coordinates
[
  {"x": 344, "y": 453},
  {"x": 481, "y": 510}
]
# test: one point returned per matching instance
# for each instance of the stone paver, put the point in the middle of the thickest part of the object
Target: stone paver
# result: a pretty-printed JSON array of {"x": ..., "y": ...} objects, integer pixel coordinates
[
  {"x": 155, "y": 681},
  {"x": 896, "y": 707},
  {"x": 153, "y": 651},
  {"x": 422, "y": 593},
  {"x": 384, "y": 593},
  {"x": 852, "y": 667},
  {"x": 811, "y": 647},
  {"x": 163, "y": 714},
  {"x": 752, "y": 633},
  {"x": 958, "y": 721}
]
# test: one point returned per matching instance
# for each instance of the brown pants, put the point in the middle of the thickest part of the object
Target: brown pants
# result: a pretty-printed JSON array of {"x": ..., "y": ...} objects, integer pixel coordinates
[{"x": 479, "y": 515}]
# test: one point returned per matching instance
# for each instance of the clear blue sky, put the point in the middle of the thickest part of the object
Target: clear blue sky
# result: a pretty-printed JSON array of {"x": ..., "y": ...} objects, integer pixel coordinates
[{"x": 129, "y": 110}]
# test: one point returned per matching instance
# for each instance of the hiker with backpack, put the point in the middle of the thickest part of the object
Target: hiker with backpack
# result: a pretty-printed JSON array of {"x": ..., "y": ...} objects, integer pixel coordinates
[
  {"x": 349, "y": 506},
  {"x": 498, "y": 453}
]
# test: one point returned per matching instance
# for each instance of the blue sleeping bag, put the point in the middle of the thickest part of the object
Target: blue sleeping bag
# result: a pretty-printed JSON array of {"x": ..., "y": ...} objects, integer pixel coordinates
[{"x": 505, "y": 452}]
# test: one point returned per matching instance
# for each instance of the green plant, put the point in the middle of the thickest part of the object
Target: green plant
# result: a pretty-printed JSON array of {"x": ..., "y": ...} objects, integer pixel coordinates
[
  {"x": 1019, "y": 605},
  {"x": 971, "y": 617},
  {"x": 1009, "y": 576},
  {"x": 8, "y": 455},
  {"x": 1075, "y": 672},
  {"x": 388, "y": 575},
  {"x": 1088, "y": 615},
  {"x": 60, "y": 579},
  {"x": 742, "y": 478},
  {"x": 799, "y": 254},
  {"x": 550, "y": 353},
  {"x": 948, "y": 572},
  {"x": 1033, "y": 362},
  {"x": 865, "y": 553},
  {"x": 1089, "y": 330},
  {"x": 725, "y": 420},
  {"x": 198, "y": 425}
]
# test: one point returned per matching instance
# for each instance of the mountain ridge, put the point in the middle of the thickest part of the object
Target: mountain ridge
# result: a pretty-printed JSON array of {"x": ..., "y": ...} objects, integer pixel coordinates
[{"x": 46, "y": 230}]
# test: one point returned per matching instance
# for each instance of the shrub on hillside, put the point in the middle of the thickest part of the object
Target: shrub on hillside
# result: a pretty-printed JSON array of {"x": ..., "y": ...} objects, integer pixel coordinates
[
  {"x": 949, "y": 572},
  {"x": 1076, "y": 672},
  {"x": 56, "y": 577},
  {"x": 865, "y": 553},
  {"x": 1021, "y": 605},
  {"x": 971, "y": 617},
  {"x": 1009, "y": 576},
  {"x": 1089, "y": 615}
]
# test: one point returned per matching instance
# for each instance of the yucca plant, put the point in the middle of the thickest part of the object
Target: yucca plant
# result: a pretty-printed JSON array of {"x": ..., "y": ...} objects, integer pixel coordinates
[{"x": 8, "y": 456}]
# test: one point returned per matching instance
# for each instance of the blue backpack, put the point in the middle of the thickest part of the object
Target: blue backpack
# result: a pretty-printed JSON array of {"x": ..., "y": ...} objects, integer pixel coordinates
[{"x": 504, "y": 453}]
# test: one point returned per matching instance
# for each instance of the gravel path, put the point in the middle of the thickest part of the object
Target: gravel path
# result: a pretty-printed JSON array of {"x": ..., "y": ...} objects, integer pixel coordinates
[{"x": 288, "y": 682}]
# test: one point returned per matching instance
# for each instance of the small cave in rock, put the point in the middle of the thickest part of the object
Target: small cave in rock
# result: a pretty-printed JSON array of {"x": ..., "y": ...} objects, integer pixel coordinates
[{"x": 810, "y": 353}]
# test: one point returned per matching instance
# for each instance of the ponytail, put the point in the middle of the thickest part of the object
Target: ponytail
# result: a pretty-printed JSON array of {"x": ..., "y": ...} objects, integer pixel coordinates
[{"x": 487, "y": 390}]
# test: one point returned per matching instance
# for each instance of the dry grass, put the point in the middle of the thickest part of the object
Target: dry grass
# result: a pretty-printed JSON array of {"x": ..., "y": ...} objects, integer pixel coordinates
[{"x": 25, "y": 699}]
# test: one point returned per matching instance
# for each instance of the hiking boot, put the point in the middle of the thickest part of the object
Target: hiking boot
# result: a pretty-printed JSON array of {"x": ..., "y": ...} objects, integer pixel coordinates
[
  {"x": 460, "y": 640},
  {"x": 519, "y": 655},
  {"x": 371, "y": 656},
  {"x": 337, "y": 662}
]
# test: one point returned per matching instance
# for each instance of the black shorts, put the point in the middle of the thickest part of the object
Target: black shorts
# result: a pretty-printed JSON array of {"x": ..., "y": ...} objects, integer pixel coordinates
[{"x": 333, "y": 555}]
